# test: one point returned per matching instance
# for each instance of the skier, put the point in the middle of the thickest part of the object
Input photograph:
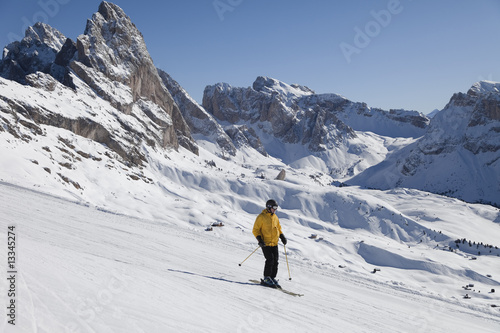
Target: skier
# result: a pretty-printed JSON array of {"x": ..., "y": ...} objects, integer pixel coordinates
[{"x": 267, "y": 230}]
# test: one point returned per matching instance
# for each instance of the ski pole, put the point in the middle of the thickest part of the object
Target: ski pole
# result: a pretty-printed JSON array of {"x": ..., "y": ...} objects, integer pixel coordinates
[
  {"x": 249, "y": 255},
  {"x": 286, "y": 257}
]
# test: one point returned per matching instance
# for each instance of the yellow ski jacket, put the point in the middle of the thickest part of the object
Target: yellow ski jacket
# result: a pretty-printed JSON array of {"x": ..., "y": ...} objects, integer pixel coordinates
[{"x": 267, "y": 226}]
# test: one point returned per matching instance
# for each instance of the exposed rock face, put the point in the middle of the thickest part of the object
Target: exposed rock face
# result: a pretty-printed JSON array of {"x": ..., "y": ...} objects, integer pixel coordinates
[
  {"x": 470, "y": 121},
  {"x": 297, "y": 115},
  {"x": 244, "y": 136},
  {"x": 37, "y": 51},
  {"x": 273, "y": 117},
  {"x": 198, "y": 120},
  {"x": 459, "y": 155},
  {"x": 281, "y": 175},
  {"x": 112, "y": 45},
  {"x": 60, "y": 69},
  {"x": 276, "y": 104}
]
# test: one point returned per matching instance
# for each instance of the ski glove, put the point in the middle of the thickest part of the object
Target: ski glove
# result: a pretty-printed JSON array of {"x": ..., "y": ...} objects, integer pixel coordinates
[
  {"x": 261, "y": 242},
  {"x": 283, "y": 239}
]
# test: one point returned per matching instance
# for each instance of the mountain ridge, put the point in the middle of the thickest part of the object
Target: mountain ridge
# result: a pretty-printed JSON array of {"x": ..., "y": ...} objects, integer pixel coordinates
[{"x": 326, "y": 133}]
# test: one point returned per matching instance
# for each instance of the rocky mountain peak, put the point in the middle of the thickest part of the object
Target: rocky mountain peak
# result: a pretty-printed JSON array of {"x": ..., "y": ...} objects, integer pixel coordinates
[
  {"x": 113, "y": 46},
  {"x": 110, "y": 61},
  {"x": 481, "y": 103},
  {"x": 485, "y": 97},
  {"x": 36, "y": 52},
  {"x": 111, "y": 11},
  {"x": 469, "y": 121},
  {"x": 272, "y": 86},
  {"x": 484, "y": 87},
  {"x": 297, "y": 114},
  {"x": 45, "y": 34}
]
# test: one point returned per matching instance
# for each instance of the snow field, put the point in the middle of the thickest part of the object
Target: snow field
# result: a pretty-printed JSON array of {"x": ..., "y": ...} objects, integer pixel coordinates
[{"x": 85, "y": 270}]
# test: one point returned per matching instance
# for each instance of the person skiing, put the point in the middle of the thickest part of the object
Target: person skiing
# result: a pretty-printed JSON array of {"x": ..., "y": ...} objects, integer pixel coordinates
[{"x": 267, "y": 230}]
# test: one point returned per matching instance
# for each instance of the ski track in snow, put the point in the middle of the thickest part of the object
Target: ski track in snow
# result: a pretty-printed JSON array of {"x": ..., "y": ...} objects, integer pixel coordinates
[{"x": 84, "y": 270}]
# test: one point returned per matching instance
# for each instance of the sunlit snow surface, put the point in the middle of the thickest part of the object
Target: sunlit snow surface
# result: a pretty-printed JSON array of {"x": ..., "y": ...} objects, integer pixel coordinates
[{"x": 127, "y": 255}]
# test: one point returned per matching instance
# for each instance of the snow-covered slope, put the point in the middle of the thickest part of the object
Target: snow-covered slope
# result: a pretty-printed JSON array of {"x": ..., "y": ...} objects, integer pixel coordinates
[
  {"x": 458, "y": 156},
  {"x": 113, "y": 217},
  {"x": 81, "y": 268}
]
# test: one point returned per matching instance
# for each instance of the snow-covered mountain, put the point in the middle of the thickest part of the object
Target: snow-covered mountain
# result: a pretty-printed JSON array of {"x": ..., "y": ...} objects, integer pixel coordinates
[
  {"x": 109, "y": 62},
  {"x": 116, "y": 178},
  {"x": 458, "y": 156},
  {"x": 304, "y": 129}
]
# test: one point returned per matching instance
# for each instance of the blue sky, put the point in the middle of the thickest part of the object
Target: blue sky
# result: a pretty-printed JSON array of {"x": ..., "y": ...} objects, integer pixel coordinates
[{"x": 410, "y": 54}]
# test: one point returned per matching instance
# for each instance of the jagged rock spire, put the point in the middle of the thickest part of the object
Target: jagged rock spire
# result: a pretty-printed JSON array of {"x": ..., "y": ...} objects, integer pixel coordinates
[
  {"x": 36, "y": 52},
  {"x": 113, "y": 46}
]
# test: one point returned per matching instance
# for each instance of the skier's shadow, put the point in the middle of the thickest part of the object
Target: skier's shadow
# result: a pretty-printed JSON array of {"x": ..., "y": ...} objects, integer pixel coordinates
[{"x": 210, "y": 277}]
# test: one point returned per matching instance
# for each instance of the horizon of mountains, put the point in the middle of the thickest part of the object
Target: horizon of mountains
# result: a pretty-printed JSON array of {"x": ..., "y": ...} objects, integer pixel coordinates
[{"x": 121, "y": 100}]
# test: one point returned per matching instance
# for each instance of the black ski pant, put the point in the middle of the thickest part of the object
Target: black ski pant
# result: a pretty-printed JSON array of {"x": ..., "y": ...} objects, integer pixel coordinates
[{"x": 271, "y": 266}]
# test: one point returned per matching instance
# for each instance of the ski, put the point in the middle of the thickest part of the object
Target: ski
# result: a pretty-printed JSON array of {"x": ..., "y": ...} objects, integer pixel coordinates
[{"x": 281, "y": 289}]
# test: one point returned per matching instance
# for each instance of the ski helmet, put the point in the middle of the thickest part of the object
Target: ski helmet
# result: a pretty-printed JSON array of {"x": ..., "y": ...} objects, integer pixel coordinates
[{"x": 272, "y": 204}]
